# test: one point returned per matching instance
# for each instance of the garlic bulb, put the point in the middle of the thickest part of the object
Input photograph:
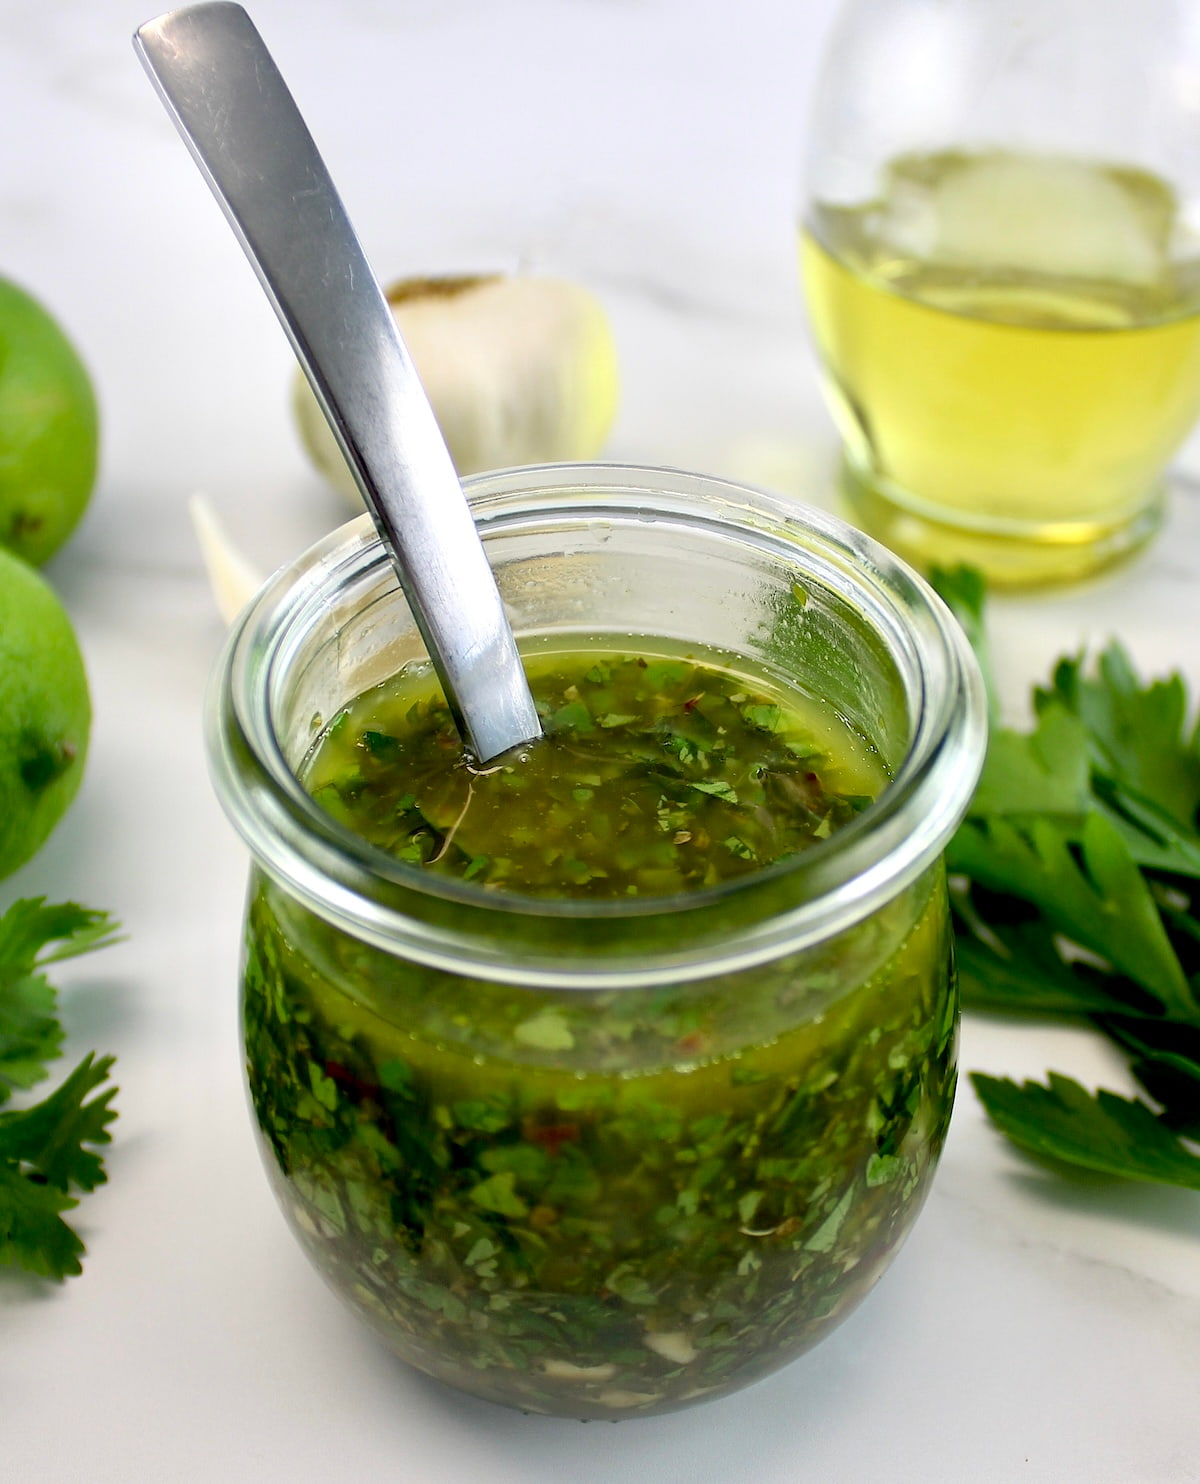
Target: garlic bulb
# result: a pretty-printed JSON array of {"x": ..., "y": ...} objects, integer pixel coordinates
[{"x": 520, "y": 370}]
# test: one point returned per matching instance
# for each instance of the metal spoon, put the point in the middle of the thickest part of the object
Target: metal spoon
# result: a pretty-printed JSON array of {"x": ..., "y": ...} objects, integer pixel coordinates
[{"x": 231, "y": 105}]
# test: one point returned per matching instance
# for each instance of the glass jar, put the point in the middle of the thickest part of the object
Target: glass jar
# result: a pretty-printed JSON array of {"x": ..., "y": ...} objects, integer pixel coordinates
[
  {"x": 601, "y": 1158},
  {"x": 1000, "y": 246}
]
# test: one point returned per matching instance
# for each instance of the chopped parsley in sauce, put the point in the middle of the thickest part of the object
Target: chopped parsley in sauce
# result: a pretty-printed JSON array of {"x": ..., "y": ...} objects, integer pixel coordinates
[{"x": 590, "y": 1202}]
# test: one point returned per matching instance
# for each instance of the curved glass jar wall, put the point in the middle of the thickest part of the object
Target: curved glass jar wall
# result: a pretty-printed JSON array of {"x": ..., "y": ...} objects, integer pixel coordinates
[{"x": 608, "y": 1157}]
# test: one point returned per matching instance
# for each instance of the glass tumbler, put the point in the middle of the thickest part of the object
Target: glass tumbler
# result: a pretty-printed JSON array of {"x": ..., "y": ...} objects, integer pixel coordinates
[
  {"x": 605, "y": 1157},
  {"x": 1000, "y": 248}
]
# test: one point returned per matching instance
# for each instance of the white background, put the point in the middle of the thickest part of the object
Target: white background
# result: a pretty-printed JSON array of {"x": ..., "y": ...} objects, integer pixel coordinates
[{"x": 1033, "y": 1329}]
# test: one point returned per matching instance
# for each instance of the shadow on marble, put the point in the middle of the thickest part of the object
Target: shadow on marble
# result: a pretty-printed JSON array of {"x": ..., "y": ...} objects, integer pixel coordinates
[
  {"x": 97, "y": 1010},
  {"x": 18, "y": 1287},
  {"x": 1162, "y": 1208}
]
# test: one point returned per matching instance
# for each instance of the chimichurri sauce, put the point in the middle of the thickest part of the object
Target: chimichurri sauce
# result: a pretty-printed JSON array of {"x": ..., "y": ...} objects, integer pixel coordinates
[
  {"x": 594, "y": 1203},
  {"x": 655, "y": 775}
]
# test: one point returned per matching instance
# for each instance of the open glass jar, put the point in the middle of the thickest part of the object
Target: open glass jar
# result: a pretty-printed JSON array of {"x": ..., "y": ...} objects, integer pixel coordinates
[{"x": 605, "y": 1157}]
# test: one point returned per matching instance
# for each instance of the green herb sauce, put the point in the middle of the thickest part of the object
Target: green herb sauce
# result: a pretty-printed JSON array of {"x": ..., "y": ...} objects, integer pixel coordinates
[
  {"x": 601, "y": 1203},
  {"x": 655, "y": 775}
]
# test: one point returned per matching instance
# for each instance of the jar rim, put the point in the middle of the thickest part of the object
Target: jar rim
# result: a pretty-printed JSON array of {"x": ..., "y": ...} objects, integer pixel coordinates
[{"x": 784, "y": 907}]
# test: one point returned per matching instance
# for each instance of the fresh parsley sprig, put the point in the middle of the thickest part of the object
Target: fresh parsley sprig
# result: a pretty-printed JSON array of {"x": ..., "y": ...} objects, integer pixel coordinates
[
  {"x": 48, "y": 1149},
  {"x": 1113, "y": 1135},
  {"x": 1076, "y": 892}
]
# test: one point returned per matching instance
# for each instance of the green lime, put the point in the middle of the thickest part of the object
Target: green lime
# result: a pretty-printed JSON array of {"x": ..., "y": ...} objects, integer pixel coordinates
[
  {"x": 45, "y": 712},
  {"x": 49, "y": 433}
]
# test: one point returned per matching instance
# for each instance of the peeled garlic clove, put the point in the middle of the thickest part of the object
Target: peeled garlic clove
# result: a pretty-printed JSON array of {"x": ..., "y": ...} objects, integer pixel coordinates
[
  {"x": 232, "y": 578},
  {"x": 520, "y": 370}
]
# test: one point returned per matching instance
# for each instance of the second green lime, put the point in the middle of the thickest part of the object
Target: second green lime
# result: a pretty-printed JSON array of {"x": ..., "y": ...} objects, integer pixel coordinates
[
  {"x": 45, "y": 711},
  {"x": 49, "y": 434}
]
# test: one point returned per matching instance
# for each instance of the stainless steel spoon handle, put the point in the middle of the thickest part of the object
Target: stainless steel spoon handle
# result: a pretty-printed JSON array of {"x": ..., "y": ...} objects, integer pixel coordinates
[{"x": 231, "y": 105}]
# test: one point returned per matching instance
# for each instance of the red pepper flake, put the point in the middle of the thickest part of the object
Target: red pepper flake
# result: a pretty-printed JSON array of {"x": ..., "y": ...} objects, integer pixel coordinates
[
  {"x": 346, "y": 1078},
  {"x": 551, "y": 1136},
  {"x": 694, "y": 1043},
  {"x": 693, "y": 701}
]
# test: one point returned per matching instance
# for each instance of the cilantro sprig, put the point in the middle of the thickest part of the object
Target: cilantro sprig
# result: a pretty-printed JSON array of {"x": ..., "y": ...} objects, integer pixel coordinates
[
  {"x": 48, "y": 1149},
  {"x": 1076, "y": 891}
]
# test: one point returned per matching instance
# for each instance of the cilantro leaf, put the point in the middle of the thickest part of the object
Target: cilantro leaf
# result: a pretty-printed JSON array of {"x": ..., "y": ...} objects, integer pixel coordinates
[
  {"x": 30, "y": 1035},
  {"x": 1062, "y": 1121},
  {"x": 33, "y": 1234},
  {"x": 47, "y": 1141},
  {"x": 29, "y": 925},
  {"x": 51, "y": 1148}
]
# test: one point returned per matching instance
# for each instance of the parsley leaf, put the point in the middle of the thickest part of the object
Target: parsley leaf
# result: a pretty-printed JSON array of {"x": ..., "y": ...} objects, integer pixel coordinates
[
  {"x": 1043, "y": 772},
  {"x": 1100, "y": 1131},
  {"x": 1097, "y": 897},
  {"x": 1166, "y": 1063},
  {"x": 1018, "y": 967},
  {"x": 49, "y": 1149},
  {"x": 1138, "y": 734},
  {"x": 1073, "y": 897},
  {"x": 1061, "y": 770},
  {"x": 964, "y": 592}
]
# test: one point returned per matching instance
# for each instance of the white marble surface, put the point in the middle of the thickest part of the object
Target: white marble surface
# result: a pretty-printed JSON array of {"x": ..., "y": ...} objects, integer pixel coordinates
[{"x": 1031, "y": 1330}]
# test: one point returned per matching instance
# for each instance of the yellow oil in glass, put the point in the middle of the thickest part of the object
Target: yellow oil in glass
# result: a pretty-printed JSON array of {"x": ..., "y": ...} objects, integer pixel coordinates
[{"x": 1011, "y": 348}]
